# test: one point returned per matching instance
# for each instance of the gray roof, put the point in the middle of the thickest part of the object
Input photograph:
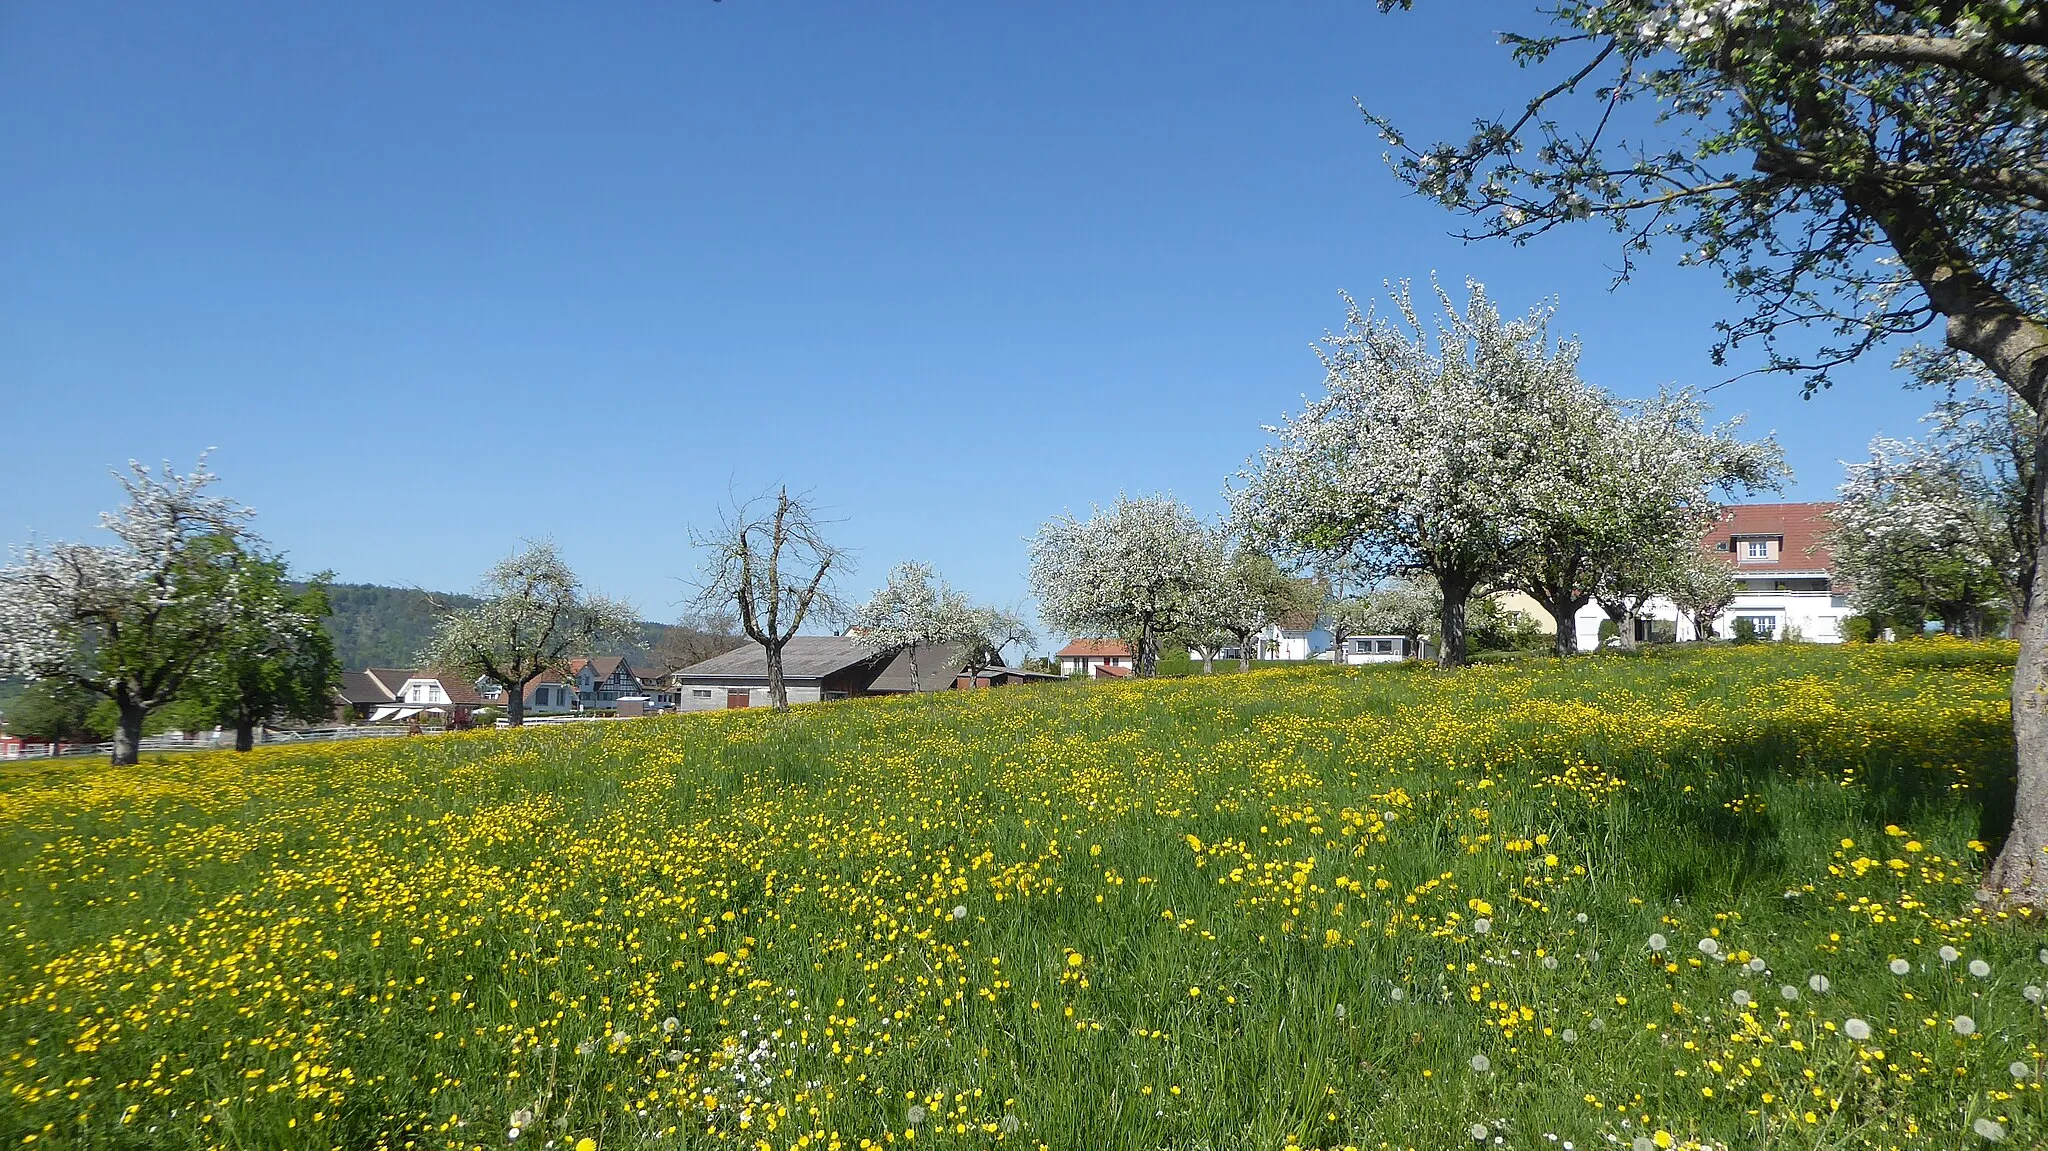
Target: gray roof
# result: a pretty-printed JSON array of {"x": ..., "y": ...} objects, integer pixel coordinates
[
  {"x": 359, "y": 687},
  {"x": 936, "y": 667},
  {"x": 803, "y": 657}
]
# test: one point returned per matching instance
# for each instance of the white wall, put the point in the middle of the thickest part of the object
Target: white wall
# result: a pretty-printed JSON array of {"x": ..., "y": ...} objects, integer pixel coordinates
[
  {"x": 758, "y": 696},
  {"x": 1816, "y": 616}
]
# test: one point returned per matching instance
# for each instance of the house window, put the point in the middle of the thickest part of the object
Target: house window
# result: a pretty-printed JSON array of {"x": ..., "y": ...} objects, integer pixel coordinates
[
  {"x": 1766, "y": 625},
  {"x": 1384, "y": 647},
  {"x": 701, "y": 692},
  {"x": 1756, "y": 549}
]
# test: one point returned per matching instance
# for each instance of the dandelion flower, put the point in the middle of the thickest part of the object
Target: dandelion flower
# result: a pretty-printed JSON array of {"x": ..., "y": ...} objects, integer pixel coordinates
[
  {"x": 1901, "y": 967},
  {"x": 1948, "y": 954},
  {"x": 1980, "y": 969},
  {"x": 522, "y": 1117},
  {"x": 1658, "y": 942},
  {"x": 669, "y": 1025},
  {"x": 1965, "y": 1025},
  {"x": 1856, "y": 1029},
  {"x": 586, "y": 1144},
  {"x": 1990, "y": 1129},
  {"x": 1819, "y": 984}
]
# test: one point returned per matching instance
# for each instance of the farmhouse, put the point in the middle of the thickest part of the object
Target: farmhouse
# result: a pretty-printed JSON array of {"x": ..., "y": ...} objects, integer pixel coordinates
[
  {"x": 1782, "y": 566},
  {"x": 384, "y": 694},
  {"x": 822, "y": 667},
  {"x": 1084, "y": 657}
]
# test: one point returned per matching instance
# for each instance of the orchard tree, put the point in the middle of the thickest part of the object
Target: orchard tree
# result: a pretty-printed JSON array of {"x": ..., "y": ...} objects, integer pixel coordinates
[
  {"x": 1701, "y": 588},
  {"x": 53, "y": 711},
  {"x": 1919, "y": 532},
  {"x": 1249, "y": 593},
  {"x": 1405, "y": 607},
  {"x": 1861, "y": 169},
  {"x": 1623, "y": 491},
  {"x": 990, "y": 631},
  {"x": 131, "y": 621},
  {"x": 1140, "y": 569},
  {"x": 916, "y": 609},
  {"x": 534, "y": 615},
  {"x": 696, "y": 637},
  {"x": 769, "y": 561},
  {"x": 275, "y": 662},
  {"x": 1416, "y": 460}
]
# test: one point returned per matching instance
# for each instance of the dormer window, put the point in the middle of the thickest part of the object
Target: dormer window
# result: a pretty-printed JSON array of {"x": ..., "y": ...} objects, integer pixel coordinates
[{"x": 1756, "y": 549}]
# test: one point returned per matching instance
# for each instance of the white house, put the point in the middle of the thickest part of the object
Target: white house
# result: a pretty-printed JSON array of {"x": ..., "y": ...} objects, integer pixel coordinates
[
  {"x": 1084, "y": 657},
  {"x": 1782, "y": 566},
  {"x": 1364, "y": 649}
]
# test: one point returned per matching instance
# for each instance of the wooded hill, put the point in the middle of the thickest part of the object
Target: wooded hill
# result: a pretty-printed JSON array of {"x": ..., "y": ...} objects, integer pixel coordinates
[{"x": 377, "y": 626}]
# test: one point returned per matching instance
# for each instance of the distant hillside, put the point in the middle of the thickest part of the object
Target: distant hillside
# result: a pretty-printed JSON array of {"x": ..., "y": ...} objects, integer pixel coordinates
[{"x": 387, "y": 626}]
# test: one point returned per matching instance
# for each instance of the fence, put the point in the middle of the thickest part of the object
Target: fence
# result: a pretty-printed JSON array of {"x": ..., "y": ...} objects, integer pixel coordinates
[{"x": 211, "y": 741}]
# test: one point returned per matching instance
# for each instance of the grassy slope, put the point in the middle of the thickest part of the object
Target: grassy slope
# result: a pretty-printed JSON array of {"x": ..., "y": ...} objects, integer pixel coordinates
[{"x": 1238, "y": 912}]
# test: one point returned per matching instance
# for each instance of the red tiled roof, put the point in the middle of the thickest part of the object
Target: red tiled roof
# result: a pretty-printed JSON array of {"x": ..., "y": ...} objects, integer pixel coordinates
[
  {"x": 1107, "y": 671},
  {"x": 1095, "y": 648},
  {"x": 1802, "y": 528}
]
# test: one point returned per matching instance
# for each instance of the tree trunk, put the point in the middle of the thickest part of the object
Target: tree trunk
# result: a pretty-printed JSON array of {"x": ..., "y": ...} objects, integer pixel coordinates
[
  {"x": 1564, "y": 607},
  {"x": 1456, "y": 593},
  {"x": 1208, "y": 661},
  {"x": 778, "y": 695},
  {"x": 515, "y": 704},
  {"x": 913, "y": 669},
  {"x": 1148, "y": 651},
  {"x": 245, "y": 735},
  {"x": 2018, "y": 877},
  {"x": 128, "y": 732}
]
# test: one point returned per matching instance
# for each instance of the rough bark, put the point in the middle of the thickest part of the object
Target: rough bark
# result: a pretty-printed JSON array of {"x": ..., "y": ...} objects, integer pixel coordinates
[
  {"x": 778, "y": 694},
  {"x": 1456, "y": 594},
  {"x": 515, "y": 704},
  {"x": 2018, "y": 877},
  {"x": 1563, "y": 604},
  {"x": 1148, "y": 650},
  {"x": 245, "y": 735},
  {"x": 1208, "y": 660},
  {"x": 128, "y": 732}
]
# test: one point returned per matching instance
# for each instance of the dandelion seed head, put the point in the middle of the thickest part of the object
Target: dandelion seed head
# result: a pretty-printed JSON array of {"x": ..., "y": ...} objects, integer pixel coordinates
[
  {"x": 1856, "y": 1029},
  {"x": 1990, "y": 1129},
  {"x": 1964, "y": 1025},
  {"x": 1980, "y": 969},
  {"x": 1482, "y": 925},
  {"x": 1788, "y": 993},
  {"x": 1658, "y": 942},
  {"x": 1900, "y": 967},
  {"x": 960, "y": 911},
  {"x": 1482, "y": 1064},
  {"x": 1819, "y": 984},
  {"x": 1948, "y": 954}
]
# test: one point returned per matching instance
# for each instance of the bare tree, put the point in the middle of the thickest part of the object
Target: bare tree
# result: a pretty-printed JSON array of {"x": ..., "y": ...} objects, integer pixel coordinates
[
  {"x": 770, "y": 560},
  {"x": 696, "y": 637}
]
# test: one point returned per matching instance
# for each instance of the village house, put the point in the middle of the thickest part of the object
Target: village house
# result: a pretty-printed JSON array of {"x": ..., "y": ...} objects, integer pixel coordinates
[
  {"x": 396, "y": 695},
  {"x": 1085, "y": 658},
  {"x": 826, "y": 667},
  {"x": 1783, "y": 570}
]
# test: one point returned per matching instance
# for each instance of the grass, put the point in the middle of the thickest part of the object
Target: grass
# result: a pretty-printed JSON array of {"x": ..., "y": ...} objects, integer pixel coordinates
[{"x": 1592, "y": 902}]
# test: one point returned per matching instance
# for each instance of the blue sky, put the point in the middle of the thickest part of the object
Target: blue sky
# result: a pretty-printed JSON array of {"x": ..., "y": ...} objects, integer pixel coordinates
[{"x": 436, "y": 278}]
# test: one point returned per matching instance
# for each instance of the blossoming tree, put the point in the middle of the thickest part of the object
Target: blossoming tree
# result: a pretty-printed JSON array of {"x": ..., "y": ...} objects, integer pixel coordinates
[
  {"x": 1857, "y": 170},
  {"x": 915, "y": 609},
  {"x": 1419, "y": 456},
  {"x": 131, "y": 621},
  {"x": 534, "y": 615},
  {"x": 1140, "y": 569}
]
